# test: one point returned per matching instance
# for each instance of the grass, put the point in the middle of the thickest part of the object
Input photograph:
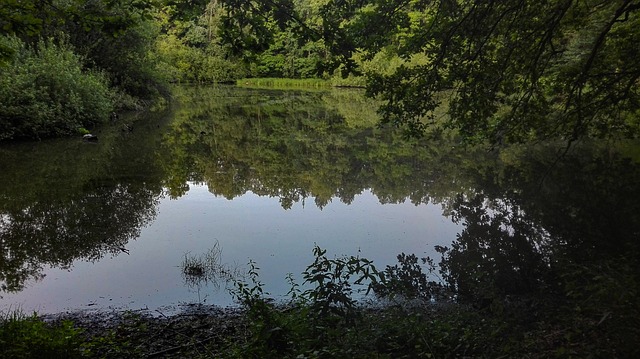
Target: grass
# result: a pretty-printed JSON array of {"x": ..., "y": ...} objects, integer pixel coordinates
[
  {"x": 23, "y": 336},
  {"x": 282, "y": 83}
]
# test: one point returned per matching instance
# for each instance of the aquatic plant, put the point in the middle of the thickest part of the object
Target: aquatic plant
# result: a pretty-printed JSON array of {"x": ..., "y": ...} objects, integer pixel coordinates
[{"x": 206, "y": 268}]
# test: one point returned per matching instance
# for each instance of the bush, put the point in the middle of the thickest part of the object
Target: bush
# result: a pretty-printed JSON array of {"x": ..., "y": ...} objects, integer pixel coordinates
[{"x": 45, "y": 92}]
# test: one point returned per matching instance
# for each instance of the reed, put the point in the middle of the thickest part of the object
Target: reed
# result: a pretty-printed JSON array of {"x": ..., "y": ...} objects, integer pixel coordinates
[{"x": 283, "y": 83}]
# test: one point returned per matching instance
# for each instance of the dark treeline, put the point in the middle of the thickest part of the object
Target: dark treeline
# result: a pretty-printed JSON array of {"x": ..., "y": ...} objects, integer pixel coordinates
[
  {"x": 504, "y": 71},
  {"x": 513, "y": 71}
]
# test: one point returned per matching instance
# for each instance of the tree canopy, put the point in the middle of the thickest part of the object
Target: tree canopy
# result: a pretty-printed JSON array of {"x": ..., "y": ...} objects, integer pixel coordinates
[
  {"x": 500, "y": 71},
  {"x": 509, "y": 71}
]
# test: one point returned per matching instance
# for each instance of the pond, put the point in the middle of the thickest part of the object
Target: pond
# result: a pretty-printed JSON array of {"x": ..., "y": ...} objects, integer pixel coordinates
[{"x": 265, "y": 175}]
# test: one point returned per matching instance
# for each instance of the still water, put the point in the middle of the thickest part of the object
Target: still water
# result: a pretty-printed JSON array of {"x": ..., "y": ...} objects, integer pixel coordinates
[
  {"x": 264, "y": 175},
  {"x": 248, "y": 227},
  {"x": 107, "y": 225}
]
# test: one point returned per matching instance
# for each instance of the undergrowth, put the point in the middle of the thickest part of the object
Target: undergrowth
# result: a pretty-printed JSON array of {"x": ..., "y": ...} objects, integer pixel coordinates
[{"x": 23, "y": 336}]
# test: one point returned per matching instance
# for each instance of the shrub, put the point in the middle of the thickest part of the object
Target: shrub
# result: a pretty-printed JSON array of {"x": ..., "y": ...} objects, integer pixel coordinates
[
  {"x": 317, "y": 320},
  {"x": 45, "y": 92},
  {"x": 407, "y": 280}
]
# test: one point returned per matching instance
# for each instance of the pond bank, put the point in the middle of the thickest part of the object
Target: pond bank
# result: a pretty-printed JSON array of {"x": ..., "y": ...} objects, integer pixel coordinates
[
  {"x": 265, "y": 330},
  {"x": 192, "y": 330}
]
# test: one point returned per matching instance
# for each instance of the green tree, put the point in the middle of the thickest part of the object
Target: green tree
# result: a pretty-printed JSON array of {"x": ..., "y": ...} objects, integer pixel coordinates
[
  {"x": 511, "y": 71},
  {"x": 69, "y": 63},
  {"x": 188, "y": 47}
]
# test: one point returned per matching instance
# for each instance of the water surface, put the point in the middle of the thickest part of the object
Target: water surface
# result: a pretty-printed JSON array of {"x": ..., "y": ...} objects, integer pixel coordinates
[{"x": 266, "y": 175}]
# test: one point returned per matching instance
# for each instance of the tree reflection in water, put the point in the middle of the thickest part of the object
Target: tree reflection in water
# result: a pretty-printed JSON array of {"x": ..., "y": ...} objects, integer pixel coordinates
[
  {"x": 542, "y": 236},
  {"x": 64, "y": 200},
  {"x": 554, "y": 243}
]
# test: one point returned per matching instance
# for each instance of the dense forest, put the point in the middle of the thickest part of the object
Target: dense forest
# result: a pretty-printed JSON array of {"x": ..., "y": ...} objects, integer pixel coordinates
[{"x": 505, "y": 71}]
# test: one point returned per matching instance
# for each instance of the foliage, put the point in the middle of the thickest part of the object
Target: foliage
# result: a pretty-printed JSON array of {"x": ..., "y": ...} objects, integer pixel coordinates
[
  {"x": 282, "y": 39},
  {"x": 99, "y": 52},
  {"x": 515, "y": 72},
  {"x": 117, "y": 38},
  {"x": 267, "y": 336},
  {"x": 112, "y": 36},
  {"x": 183, "y": 63},
  {"x": 29, "y": 337},
  {"x": 521, "y": 71},
  {"x": 332, "y": 284},
  {"x": 286, "y": 57},
  {"x": 315, "y": 317},
  {"x": 188, "y": 48},
  {"x": 407, "y": 281},
  {"x": 30, "y": 18},
  {"x": 45, "y": 91}
]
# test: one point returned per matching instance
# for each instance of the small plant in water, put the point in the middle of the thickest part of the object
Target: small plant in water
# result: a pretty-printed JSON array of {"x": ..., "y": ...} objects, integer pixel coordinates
[
  {"x": 205, "y": 268},
  {"x": 193, "y": 267}
]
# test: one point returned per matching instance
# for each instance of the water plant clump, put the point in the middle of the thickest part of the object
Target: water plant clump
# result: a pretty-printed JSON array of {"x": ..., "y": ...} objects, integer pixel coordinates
[{"x": 206, "y": 268}]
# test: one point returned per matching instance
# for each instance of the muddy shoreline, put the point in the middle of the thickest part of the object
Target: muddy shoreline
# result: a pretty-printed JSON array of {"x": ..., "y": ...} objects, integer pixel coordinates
[{"x": 189, "y": 330}]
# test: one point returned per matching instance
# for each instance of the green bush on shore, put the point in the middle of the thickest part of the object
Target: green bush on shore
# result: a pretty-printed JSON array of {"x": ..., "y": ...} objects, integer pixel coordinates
[{"x": 45, "y": 91}]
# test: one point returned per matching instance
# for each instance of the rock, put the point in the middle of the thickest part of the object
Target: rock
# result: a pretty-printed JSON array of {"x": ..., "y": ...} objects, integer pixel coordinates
[{"x": 90, "y": 138}]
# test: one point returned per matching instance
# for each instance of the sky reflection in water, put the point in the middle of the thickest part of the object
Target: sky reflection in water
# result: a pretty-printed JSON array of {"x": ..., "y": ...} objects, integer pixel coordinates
[{"x": 247, "y": 227}]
